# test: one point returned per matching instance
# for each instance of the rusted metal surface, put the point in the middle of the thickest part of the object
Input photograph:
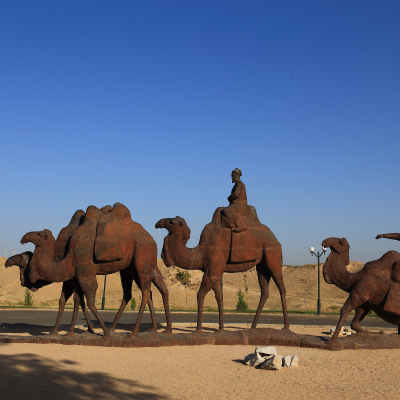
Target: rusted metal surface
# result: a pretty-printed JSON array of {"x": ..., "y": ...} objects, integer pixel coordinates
[
  {"x": 69, "y": 287},
  {"x": 100, "y": 242},
  {"x": 253, "y": 337},
  {"x": 372, "y": 288},
  {"x": 234, "y": 241}
]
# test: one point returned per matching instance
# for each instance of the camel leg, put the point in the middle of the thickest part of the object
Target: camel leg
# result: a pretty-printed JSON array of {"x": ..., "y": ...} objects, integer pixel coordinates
[
  {"x": 85, "y": 311},
  {"x": 152, "y": 313},
  {"x": 264, "y": 277},
  {"x": 273, "y": 260},
  {"x": 88, "y": 283},
  {"x": 149, "y": 303},
  {"x": 66, "y": 293},
  {"x": 205, "y": 287},
  {"x": 218, "y": 290},
  {"x": 360, "y": 314},
  {"x": 162, "y": 288},
  {"x": 282, "y": 290},
  {"x": 126, "y": 282},
  {"x": 352, "y": 302},
  {"x": 145, "y": 299},
  {"x": 71, "y": 330},
  {"x": 79, "y": 299}
]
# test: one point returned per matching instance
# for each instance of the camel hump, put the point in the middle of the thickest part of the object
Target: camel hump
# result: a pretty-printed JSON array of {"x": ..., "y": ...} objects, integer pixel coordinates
[
  {"x": 252, "y": 217},
  {"x": 111, "y": 228},
  {"x": 120, "y": 212},
  {"x": 92, "y": 213},
  {"x": 106, "y": 209},
  {"x": 77, "y": 219}
]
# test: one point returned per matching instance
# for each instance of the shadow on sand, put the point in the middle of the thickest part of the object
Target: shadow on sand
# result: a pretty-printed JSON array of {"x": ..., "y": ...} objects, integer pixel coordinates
[{"x": 25, "y": 376}]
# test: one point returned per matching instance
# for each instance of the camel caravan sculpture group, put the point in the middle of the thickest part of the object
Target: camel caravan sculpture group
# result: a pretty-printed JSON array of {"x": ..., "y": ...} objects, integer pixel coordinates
[{"x": 107, "y": 240}]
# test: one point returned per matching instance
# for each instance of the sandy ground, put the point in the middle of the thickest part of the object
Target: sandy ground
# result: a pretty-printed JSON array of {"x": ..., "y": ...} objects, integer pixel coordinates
[{"x": 198, "y": 372}]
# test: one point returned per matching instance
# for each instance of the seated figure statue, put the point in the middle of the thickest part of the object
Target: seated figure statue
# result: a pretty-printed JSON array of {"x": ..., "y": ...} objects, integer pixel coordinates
[{"x": 233, "y": 215}]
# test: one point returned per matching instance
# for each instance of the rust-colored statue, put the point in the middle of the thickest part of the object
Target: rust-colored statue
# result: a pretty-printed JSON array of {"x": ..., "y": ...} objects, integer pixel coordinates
[
  {"x": 72, "y": 286},
  {"x": 369, "y": 289},
  {"x": 23, "y": 261},
  {"x": 107, "y": 241},
  {"x": 234, "y": 241}
]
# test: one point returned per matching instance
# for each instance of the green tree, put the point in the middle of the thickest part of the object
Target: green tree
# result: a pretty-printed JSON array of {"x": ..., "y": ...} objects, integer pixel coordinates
[
  {"x": 133, "y": 303},
  {"x": 246, "y": 289},
  {"x": 28, "y": 298},
  {"x": 241, "y": 304},
  {"x": 184, "y": 278}
]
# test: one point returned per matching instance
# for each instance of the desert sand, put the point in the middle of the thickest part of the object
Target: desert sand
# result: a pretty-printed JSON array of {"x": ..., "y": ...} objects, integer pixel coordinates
[{"x": 193, "y": 372}]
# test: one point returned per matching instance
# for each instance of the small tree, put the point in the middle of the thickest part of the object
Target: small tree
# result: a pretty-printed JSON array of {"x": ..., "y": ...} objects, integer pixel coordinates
[
  {"x": 241, "y": 304},
  {"x": 28, "y": 298},
  {"x": 184, "y": 278},
  {"x": 133, "y": 303},
  {"x": 246, "y": 289}
]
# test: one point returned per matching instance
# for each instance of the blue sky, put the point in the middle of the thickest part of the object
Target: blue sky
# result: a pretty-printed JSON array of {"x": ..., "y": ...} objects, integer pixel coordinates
[{"x": 154, "y": 103}]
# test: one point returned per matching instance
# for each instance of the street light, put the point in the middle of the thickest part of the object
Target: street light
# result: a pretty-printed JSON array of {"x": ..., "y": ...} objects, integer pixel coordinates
[{"x": 318, "y": 255}]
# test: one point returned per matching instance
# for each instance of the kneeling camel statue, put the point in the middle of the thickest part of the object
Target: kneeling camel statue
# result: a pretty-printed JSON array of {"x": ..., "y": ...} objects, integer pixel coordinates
[{"x": 369, "y": 288}]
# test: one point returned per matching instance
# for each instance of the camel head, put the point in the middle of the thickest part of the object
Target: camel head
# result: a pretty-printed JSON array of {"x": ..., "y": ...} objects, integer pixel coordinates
[
  {"x": 174, "y": 226},
  {"x": 38, "y": 238},
  {"x": 337, "y": 245},
  {"x": 22, "y": 261}
]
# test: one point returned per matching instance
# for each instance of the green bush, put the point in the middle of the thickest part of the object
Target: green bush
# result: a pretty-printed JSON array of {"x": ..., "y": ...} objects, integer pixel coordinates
[
  {"x": 28, "y": 298},
  {"x": 133, "y": 303},
  {"x": 241, "y": 304}
]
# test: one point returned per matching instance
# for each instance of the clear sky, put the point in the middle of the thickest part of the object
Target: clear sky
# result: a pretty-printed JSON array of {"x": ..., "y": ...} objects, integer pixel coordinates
[{"x": 154, "y": 103}]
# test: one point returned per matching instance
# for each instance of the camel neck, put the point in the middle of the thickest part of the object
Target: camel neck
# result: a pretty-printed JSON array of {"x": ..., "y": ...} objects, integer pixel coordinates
[
  {"x": 176, "y": 253},
  {"x": 335, "y": 271}
]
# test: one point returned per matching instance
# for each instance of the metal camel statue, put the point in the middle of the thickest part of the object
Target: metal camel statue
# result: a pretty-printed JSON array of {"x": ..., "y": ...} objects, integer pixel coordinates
[{"x": 369, "y": 289}]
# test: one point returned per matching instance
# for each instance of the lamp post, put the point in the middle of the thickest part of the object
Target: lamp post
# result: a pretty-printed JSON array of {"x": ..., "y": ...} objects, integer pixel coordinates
[
  {"x": 318, "y": 255},
  {"x": 103, "y": 301}
]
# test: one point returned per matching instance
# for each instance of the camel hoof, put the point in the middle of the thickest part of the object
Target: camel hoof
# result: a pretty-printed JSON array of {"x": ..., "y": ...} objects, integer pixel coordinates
[
  {"x": 53, "y": 333},
  {"x": 220, "y": 330},
  {"x": 167, "y": 331},
  {"x": 285, "y": 328},
  {"x": 198, "y": 331},
  {"x": 361, "y": 331},
  {"x": 132, "y": 334}
]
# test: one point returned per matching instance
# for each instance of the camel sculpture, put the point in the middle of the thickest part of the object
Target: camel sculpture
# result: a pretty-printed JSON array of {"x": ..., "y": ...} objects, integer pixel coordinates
[
  {"x": 107, "y": 241},
  {"x": 368, "y": 289},
  {"x": 23, "y": 262},
  {"x": 71, "y": 286},
  {"x": 234, "y": 241},
  {"x": 257, "y": 245}
]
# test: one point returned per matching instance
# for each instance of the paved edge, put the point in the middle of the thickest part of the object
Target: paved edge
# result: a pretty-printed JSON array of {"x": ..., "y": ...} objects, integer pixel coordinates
[{"x": 255, "y": 337}]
